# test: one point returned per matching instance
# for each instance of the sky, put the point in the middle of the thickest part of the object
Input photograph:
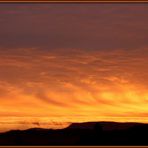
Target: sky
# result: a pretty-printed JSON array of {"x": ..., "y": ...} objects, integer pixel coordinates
[{"x": 72, "y": 62}]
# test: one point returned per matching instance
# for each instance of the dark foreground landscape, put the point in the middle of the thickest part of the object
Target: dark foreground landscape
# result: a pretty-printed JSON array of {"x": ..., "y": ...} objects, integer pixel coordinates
[{"x": 90, "y": 133}]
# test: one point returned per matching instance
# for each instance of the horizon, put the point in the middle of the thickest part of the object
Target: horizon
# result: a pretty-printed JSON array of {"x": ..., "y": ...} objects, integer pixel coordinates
[
  {"x": 107, "y": 125},
  {"x": 73, "y": 63}
]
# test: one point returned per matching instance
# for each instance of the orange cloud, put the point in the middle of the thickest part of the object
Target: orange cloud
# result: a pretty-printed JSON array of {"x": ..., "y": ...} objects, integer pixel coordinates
[
  {"x": 92, "y": 86},
  {"x": 64, "y": 63}
]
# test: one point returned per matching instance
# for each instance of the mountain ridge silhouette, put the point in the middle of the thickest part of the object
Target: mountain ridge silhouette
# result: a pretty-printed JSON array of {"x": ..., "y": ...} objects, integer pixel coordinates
[{"x": 83, "y": 134}]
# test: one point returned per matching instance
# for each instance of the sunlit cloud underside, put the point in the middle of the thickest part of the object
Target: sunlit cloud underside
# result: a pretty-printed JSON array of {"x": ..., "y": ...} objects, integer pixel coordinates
[
  {"x": 72, "y": 63},
  {"x": 93, "y": 85}
]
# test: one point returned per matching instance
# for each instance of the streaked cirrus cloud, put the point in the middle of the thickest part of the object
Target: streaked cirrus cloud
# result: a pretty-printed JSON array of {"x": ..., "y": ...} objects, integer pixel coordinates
[{"x": 74, "y": 62}]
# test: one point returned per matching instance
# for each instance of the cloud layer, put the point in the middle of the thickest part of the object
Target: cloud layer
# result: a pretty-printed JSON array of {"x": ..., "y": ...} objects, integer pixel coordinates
[
  {"x": 74, "y": 62},
  {"x": 74, "y": 82}
]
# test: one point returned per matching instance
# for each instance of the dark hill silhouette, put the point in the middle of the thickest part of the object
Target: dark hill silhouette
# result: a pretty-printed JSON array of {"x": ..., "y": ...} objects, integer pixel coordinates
[
  {"x": 89, "y": 133},
  {"x": 105, "y": 125}
]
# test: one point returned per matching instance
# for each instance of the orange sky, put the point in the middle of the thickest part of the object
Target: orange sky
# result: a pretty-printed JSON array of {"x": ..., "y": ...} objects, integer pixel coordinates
[{"x": 73, "y": 63}]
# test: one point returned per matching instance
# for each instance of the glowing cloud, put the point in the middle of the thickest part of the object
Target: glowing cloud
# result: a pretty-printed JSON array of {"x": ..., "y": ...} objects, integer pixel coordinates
[{"x": 51, "y": 71}]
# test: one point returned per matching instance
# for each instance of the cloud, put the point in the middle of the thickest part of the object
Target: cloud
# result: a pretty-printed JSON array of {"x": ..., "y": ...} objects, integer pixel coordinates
[
  {"x": 83, "y": 64},
  {"x": 92, "y": 26},
  {"x": 61, "y": 83}
]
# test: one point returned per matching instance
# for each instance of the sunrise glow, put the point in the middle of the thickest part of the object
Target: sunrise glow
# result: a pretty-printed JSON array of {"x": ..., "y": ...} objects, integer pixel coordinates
[{"x": 58, "y": 66}]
